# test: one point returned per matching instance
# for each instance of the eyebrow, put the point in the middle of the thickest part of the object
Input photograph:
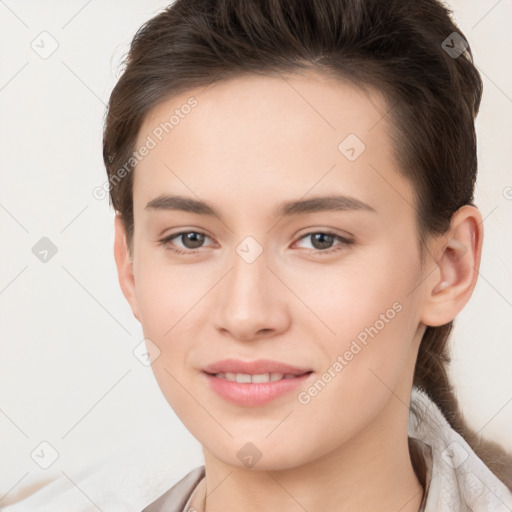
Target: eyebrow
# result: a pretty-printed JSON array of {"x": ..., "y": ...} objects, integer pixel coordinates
[{"x": 285, "y": 209}]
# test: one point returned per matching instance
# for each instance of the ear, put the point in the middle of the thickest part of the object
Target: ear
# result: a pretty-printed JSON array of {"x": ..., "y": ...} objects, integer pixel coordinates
[
  {"x": 124, "y": 265},
  {"x": 457, "y": 259}
]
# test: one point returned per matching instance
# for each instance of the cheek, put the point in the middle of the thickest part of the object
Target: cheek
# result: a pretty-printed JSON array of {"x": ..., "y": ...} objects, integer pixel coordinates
[
  {"x": 165, "y": 292},
  {"x": 364, "y": 313},
  {"x": 365, "y": 356},
  {"x": 166, "y": 302},
  {"x": 352, "y": 294}
]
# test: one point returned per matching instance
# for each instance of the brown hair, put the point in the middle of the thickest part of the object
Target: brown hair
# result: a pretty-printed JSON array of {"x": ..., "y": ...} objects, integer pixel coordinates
[{"x": 398, "y": 47}]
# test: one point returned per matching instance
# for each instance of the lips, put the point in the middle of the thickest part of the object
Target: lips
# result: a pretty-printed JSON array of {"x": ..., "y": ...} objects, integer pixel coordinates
[
  {"x": 254, "y": 383},
  {"x": 258, "y": 367}
]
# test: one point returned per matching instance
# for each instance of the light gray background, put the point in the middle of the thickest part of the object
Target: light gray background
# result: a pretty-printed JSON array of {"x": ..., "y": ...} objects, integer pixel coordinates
[{"x": 68, "y": 375}]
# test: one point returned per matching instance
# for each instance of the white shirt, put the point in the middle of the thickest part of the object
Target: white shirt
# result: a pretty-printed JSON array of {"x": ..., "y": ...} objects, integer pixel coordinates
[{"x": 456, "y": 480}]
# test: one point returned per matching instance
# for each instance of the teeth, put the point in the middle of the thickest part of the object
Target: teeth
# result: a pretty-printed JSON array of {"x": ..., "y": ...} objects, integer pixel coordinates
[{"x": 245, "y": 378}]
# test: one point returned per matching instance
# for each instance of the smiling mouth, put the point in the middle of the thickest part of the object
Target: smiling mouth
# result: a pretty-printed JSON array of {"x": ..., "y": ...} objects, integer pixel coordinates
[
  {"x": 246, "y": 378},
  {"x": 258, "y": 389}
]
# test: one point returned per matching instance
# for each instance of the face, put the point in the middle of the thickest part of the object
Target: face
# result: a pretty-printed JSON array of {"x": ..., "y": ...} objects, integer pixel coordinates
[{"x": 321, "y": 286}]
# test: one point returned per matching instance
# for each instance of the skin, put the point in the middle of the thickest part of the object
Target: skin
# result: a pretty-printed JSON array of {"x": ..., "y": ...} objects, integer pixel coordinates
[{"x": 251, "y": 143}]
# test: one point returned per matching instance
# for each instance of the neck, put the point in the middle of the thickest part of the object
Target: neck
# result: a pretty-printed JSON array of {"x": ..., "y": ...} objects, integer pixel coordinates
[{"x": 370, "y": 471}]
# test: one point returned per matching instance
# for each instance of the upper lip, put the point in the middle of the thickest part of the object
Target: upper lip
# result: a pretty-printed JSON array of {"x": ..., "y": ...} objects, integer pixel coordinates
[{"x": 257, "y": 367}]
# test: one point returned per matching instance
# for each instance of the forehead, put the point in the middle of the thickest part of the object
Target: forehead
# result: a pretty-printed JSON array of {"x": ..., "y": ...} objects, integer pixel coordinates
[
  {"x": 260, "y": 136},
  {"x": 323, "y": 103}
]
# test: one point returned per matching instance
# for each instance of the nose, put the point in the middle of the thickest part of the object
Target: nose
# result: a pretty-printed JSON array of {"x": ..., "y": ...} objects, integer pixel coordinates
[{"x": 251, "y": 302}]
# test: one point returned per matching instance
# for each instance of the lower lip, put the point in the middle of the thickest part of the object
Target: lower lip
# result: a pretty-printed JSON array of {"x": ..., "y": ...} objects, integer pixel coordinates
[{"x": 252, "y": 395}]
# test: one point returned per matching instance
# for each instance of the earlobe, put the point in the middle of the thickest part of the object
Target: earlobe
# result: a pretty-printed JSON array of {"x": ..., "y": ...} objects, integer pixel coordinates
[
  {"x": 458, "y": 260},
  {"x": 124, "y": 265}
]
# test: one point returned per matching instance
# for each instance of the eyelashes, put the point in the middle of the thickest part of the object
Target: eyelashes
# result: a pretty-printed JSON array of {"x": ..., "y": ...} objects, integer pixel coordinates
[{"x": 169, "y": 245}]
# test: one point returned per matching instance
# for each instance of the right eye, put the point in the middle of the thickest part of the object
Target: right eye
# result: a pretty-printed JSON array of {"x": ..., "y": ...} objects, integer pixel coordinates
[{"x": 191, "y": 240}]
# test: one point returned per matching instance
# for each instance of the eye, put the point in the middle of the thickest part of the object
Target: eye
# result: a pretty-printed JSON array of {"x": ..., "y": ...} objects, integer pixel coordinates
[
  {"x": 322, "y": 242},
  {"x": 191, "y": 240}
]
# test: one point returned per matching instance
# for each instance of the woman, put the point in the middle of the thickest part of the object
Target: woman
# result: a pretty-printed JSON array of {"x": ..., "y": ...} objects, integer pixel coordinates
[{"x": 296, "y": 233}]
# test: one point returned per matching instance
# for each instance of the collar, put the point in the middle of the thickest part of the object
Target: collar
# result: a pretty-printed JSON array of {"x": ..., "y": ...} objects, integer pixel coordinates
[{"x": 455, "y": 477}]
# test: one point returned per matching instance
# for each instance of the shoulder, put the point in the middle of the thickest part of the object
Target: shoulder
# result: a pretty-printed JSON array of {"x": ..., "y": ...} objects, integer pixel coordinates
[{"x": 111, "y": 485}]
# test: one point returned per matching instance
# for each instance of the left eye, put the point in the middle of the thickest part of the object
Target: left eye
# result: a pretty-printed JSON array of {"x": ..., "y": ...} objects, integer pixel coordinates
[
  {"x": 193, "y": 240},
  {"x": 322, "y": 241}
]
